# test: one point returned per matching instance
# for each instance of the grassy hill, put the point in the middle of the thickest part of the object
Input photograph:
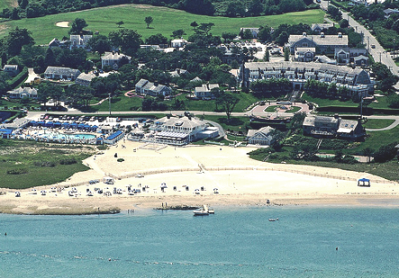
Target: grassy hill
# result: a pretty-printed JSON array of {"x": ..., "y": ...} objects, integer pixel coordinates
[
  {"x": 8, "y": 4},
  {"x": 166, "y": 20}
]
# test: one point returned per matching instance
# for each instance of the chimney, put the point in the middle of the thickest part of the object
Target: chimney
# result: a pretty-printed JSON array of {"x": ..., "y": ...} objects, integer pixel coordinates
[
  {"x": 155, "y": 83},
  {"x": 304, "y": 34},
  {"x": 322, "y": 35},
  {"x": 339, "y": 35},
  {"x": 178, "y": 71}
]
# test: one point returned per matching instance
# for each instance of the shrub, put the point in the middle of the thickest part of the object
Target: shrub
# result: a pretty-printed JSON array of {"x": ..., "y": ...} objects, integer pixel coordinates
[
  {"x": 68, "y": 161},
  {"x": 44, "y": 164},
  {"x": 17, "y": 171}
]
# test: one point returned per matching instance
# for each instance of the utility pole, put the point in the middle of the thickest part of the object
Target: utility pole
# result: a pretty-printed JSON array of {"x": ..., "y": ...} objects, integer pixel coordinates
[{"x": 109, "y": 99}]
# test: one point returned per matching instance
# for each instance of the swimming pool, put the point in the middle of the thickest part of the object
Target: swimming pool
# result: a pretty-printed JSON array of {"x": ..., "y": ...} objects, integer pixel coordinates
[{"x": 62, "y": 136}]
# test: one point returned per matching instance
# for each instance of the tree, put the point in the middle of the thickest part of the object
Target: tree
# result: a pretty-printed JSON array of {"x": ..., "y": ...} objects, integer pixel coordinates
[
  {"x": 148, "y": 20},
  {"x": 344, "y": 23},
  {"x": 49, "y": 59},
  {"x": 194, "y": 24},
  {"x": 204, "y": 28},
  {"x": 77, "y": 26},
  {"x": 228, "y": 36},
  {"x": 228, "y": 101},
  {"x": 156, "y": 39},
  {"x": 255, "y": 8},
  {"x": 266, "y": 58},
  {"x": 99, "y": 43},
  {"x": 286, "y": 54},
  {"x": 119, "y": 23},
  {"x": 127, "y": 40},
  {"x": 16, "y": 39},
  {"x": 178, "y": 33},
  {"x": 264, "y": 33},
  {"x": 23, "y": 4},
  {"x": 234, "y": 9}
]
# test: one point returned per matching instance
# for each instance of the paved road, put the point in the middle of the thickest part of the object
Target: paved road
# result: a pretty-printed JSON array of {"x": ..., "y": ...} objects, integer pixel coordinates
[{"x": 378, "y": 52}]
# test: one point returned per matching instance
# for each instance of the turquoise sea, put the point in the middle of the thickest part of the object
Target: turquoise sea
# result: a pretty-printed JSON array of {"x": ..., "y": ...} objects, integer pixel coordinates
[{"x": 235, "y": 242}]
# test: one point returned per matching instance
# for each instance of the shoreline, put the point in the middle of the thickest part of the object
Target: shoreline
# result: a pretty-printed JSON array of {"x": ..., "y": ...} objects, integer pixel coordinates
[
  {"x": 195, "y": 176},
  {"x": 120, "y": 204}
]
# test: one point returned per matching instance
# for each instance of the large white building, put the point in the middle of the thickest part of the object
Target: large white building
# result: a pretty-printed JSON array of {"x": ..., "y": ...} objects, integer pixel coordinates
[{"x": 357, "y": 80}]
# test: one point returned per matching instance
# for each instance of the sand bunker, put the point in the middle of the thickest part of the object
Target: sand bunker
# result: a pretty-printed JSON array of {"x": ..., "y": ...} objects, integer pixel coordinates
[{"x": 63, "y": 24}]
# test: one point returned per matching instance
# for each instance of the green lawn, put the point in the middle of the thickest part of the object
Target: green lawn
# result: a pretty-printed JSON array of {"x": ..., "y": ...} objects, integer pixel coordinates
[
  {"x": 329, "y": 102},
  {"x": 382, "y": 102},
  {"x": 209, "y": 105},
  {"x": 166, "y": 20},
  {"x": 375, "y": 124},
  {"x": 235, "y": 124}
]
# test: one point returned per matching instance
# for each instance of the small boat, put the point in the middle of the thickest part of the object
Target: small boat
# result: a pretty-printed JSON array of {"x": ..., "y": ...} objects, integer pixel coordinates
[
  {"x": 202, "y": 211},
  {"x": 17, "y": 194}
]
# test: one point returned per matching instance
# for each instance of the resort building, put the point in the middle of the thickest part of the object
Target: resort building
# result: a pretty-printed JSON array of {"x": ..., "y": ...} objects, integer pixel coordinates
[
  {"x": 113, "y": 59},
  {"x": 260, "y": 137},
  {"x": 25, "y": 92},
  {"x": 324, "y": 44},
  {"x": 357, "y": 80},
  {"x": 114, "y": 137},
  {"x": 61, "y": 73},
  {"x": 146, "y": 87},
  {"x": 320, "y": 126}
]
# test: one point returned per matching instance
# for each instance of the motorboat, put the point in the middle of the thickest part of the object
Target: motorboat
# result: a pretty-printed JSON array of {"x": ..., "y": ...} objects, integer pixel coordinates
[{"x": 202, "y": 211}]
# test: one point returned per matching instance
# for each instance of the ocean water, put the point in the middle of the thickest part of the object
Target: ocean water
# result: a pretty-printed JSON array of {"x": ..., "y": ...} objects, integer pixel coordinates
[{"x": 235, "y": 242}]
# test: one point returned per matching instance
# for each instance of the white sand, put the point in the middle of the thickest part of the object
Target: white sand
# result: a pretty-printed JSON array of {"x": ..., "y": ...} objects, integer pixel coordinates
[
  {"x": 62, "y": 24},
  {"x": 239, "y": 179}
]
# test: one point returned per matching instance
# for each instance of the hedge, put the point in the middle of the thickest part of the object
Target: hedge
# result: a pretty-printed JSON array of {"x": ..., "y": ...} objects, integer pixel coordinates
[{"x": 18, "y": 79}]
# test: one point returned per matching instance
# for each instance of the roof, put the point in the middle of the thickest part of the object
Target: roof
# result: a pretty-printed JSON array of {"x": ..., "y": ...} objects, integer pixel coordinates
[
  {"x": 172, "y": 134},
  {"x": 114, "y": 135},
  {"x": 319, "y": 40},
  {"x": 86, "y": 76},
  {"x": 26, "y": 90},
  {"x": 141, "y": 83},
  {"x": 264, "y": 131},
  {"x": 321, "y": 26},
  {"x": 10, "y": 67},
  {"x": 183, "y": 122},
  {"x": 360, "y": 57},
  {"x": 6, "y": 131},
  {"x": 61, "y": 70},
  {"x": 114, "y": 56},
  {"x": 306, "y": 49}
]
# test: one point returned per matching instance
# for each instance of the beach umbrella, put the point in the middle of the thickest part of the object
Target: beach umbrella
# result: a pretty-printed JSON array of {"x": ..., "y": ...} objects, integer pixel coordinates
[
  {"x": 74, "y": 125},
  {"x": 66, "y": 125},
  {"x": 42, "y": 123},
  {"x": 34, "y": 123},
  {"x": 57, "y": 124},
  {"x": 81, "y": 125}
]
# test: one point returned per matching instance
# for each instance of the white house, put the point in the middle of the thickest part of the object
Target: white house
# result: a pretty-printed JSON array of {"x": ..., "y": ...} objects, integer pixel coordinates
[
  {"x": 78, "y": 41},
  {"x": 146, "y": 87},
  {"x": 112, "y": 59},
  {"x": 25, "y": 92},
  {"x": 205, "y": 91},
  {"x": 261, "y": 136},
  {"x": 178, "y": 43}
]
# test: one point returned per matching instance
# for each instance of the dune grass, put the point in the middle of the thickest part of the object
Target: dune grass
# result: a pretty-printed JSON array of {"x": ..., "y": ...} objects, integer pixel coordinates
[
  {"x": 26, "y": 158},
  {"x": 166, "y": 20}
]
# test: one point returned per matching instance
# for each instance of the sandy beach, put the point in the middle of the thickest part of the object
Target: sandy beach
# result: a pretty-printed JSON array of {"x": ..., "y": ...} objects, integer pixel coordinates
[{"x": 193, "y": 175}]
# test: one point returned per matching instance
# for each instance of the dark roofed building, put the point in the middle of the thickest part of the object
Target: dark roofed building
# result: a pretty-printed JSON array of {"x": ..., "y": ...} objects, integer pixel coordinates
[
  {"x": 146, "y": 87},
  {"x": 61, "y": 73}
]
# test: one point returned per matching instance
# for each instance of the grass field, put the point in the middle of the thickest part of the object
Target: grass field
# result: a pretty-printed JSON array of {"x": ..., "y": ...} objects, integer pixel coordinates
[
  {"x": 329, "y": 102},
  {"x": 166, "y": 20},
  {"x": 375, "y": 124}
]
